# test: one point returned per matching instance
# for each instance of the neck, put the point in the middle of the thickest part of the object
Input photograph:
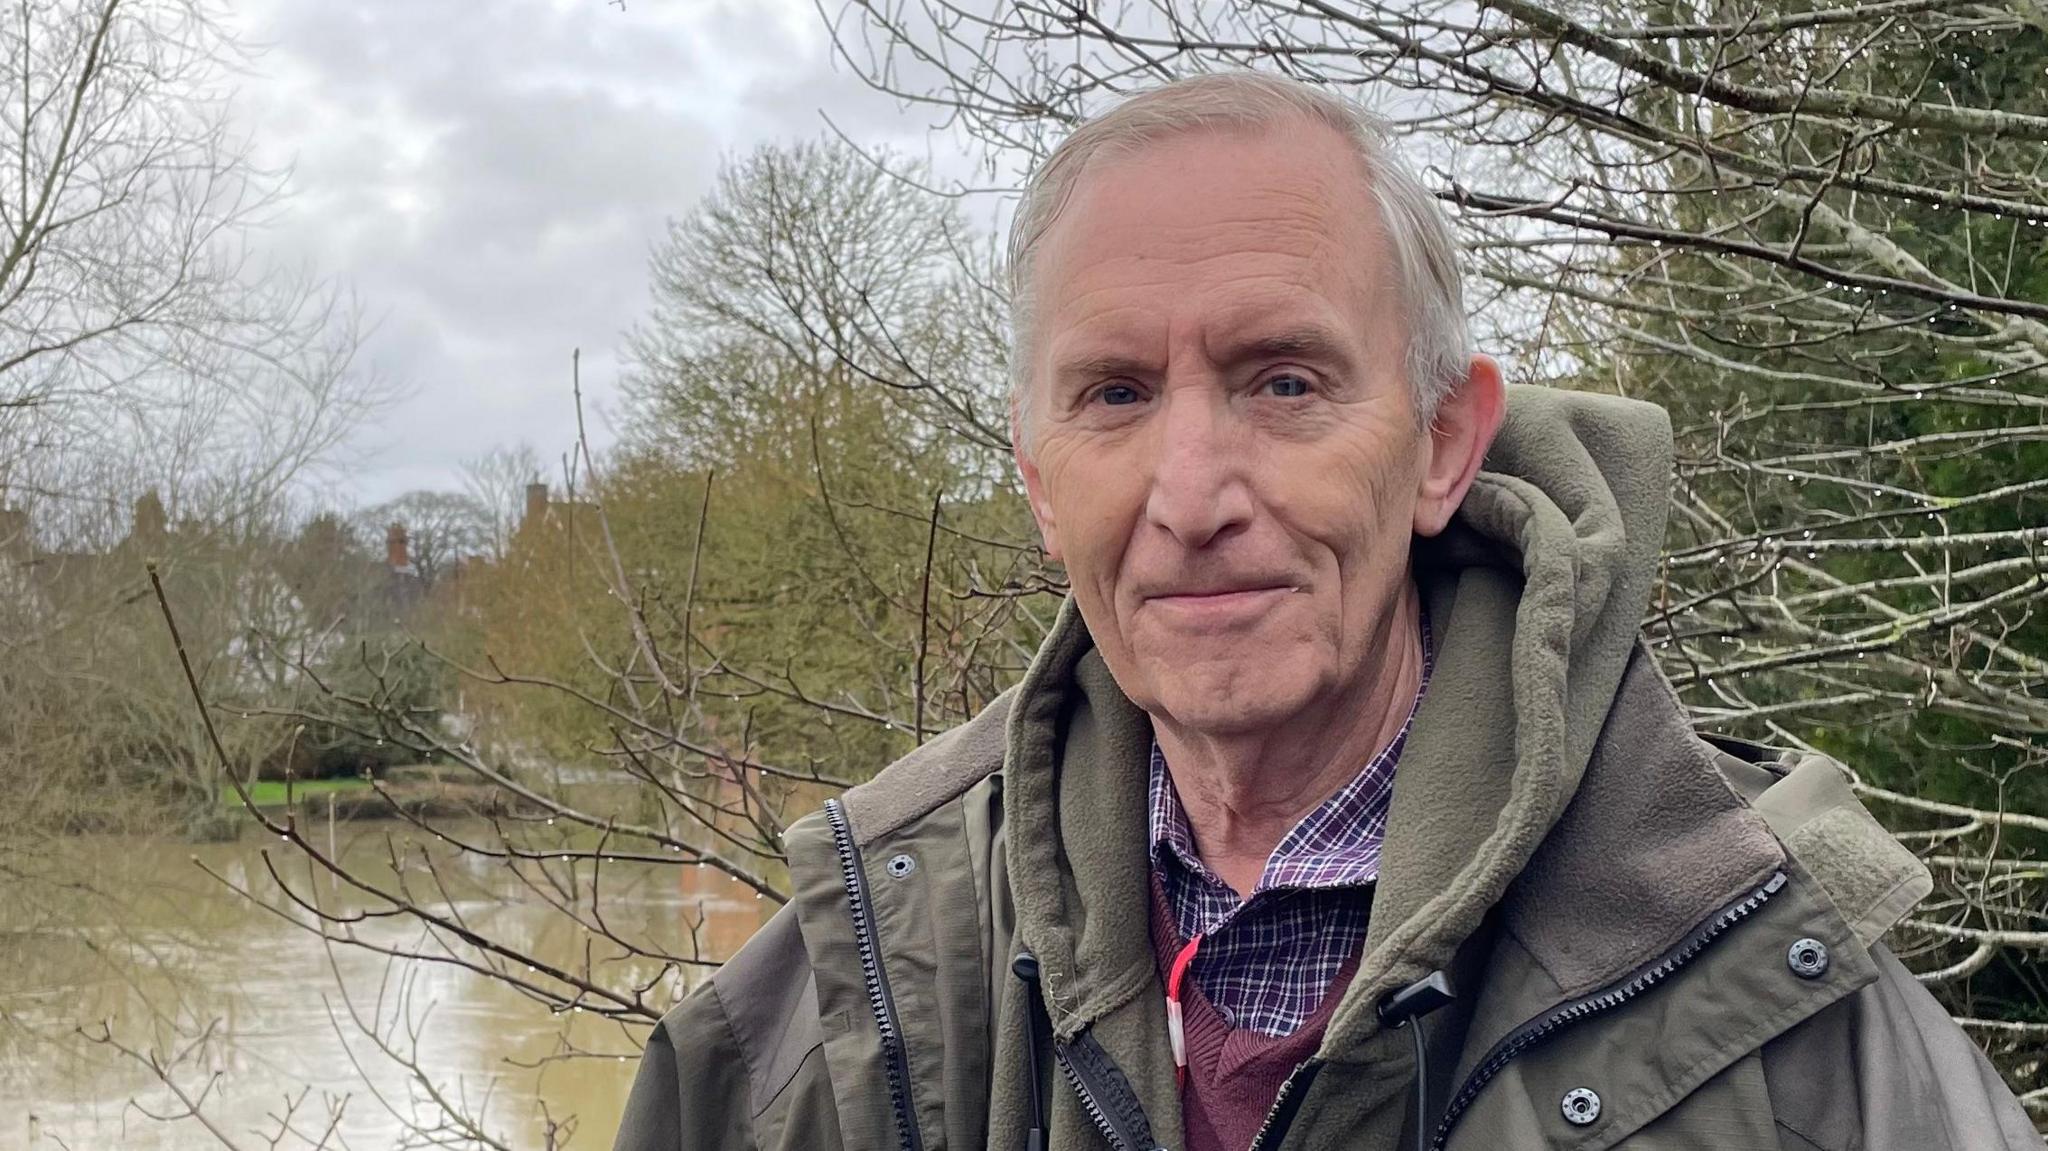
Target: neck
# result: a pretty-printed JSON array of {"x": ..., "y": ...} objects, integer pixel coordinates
[{"x": 1245, "y": 791}]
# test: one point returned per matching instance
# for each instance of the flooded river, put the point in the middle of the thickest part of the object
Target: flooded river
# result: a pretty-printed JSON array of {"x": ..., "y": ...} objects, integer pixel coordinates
[{"x": 243, "y": 1009}]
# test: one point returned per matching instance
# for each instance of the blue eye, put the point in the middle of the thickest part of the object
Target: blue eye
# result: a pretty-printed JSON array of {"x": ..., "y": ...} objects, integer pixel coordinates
[
  {"x": 1291, "y": 376},
  {"x": 1118, "y": 388}
]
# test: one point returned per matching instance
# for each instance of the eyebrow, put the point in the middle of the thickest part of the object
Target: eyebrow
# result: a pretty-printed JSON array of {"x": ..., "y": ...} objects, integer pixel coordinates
[{"x": 1308, "y": 342}]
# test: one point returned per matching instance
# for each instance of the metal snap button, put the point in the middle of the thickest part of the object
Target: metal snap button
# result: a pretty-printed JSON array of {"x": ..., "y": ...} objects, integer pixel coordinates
[
  {"x": 900, "y": 866},
  {"x": 1581, "y": 1106},
  {"x": 1808, "y": 958}
]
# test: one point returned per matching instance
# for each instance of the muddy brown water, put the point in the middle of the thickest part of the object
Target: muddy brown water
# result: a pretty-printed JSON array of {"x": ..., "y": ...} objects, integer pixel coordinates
[{"x": 134, "y": 934}]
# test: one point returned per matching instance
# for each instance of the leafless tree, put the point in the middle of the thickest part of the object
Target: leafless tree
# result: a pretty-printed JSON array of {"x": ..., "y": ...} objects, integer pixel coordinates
[
  {"x": 164, "y": 385},
  {"x": 498, "y": 481},
  {"x": 137, "y": 320},
  {"x": 440, "y": 529}
]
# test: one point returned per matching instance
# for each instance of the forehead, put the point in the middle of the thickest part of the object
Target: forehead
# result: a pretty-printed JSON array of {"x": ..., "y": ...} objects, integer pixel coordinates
[{"x": 1218, "y": 228}]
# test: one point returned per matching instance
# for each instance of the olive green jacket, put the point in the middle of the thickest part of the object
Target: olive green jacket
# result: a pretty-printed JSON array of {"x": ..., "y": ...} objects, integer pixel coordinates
[{"x": 1656, "y": 941}]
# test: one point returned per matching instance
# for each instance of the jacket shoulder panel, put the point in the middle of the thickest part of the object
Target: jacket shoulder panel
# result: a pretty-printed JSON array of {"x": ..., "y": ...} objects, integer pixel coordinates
[
  {"x": 938, "y": 771},
  {"x": 690, "y": 1081},
  {"x": 770, "y": 1000},
  {"x": 1873, "y": 879},
  {"x": 1886, "y": 1069}
]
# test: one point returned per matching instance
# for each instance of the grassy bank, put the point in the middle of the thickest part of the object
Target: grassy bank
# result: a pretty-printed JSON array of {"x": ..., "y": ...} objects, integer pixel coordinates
[{"x": 271, "y": 792}]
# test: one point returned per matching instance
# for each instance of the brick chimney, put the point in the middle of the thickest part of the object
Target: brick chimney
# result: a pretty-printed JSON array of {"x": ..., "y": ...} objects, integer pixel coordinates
[
  {"x": 536, "y": 502},
  {"x": 150, "y": 518},
  {"x": 395, "y": 551}
]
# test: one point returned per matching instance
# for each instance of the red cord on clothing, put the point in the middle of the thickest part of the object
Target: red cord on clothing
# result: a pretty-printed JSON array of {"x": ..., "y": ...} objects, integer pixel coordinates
[{"x": 1174, "y": 1030}]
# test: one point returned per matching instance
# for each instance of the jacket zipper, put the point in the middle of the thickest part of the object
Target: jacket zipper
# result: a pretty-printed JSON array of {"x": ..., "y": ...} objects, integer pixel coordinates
[
  {"x": 895, "y": 1058},
  {"x": 1281, "y": 1115},
  {"x": 1615, "y": 994},
  {"x": 1095, "y": 1078},
  {"x": 1121, "y": 1118}
]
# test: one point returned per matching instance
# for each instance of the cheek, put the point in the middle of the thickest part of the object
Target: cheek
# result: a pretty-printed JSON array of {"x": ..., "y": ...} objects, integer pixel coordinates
[
  {"x": 1360, "y": 506},
  {"x": 1094, "y": 500},
  {"x": 1101, "y": 531}
]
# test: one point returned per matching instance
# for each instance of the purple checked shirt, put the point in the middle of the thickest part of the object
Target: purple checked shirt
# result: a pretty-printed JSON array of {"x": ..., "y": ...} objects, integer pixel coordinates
[{"x": 1266, "y": 960}]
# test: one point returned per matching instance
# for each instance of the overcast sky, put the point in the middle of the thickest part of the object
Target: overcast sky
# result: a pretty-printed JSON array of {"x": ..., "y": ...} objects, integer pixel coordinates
[{"x": 489, "y": 178}]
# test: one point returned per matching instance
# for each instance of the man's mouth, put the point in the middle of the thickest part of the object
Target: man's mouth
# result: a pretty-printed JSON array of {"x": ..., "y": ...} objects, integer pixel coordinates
[{"x": 1223, "y": 605}]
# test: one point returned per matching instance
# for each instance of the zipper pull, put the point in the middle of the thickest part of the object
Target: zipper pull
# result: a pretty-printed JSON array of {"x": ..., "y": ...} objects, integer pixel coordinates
[
  {"x": 1025, "y": 967},
  {"x": 1405, "y": 1008}
]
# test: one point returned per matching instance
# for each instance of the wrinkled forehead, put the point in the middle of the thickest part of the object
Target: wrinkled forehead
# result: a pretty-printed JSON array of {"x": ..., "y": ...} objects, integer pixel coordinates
[{"x": 1222, "y": 228}]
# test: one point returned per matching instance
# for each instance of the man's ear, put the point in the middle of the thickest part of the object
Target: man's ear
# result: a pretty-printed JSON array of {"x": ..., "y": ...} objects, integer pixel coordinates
[
  {"x": 1034, "y": 489},
  {"x": 1459, "y": 437}
]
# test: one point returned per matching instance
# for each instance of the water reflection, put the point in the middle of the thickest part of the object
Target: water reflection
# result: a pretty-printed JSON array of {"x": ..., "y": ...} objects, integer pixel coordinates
[{"x": 162, "y": 954}]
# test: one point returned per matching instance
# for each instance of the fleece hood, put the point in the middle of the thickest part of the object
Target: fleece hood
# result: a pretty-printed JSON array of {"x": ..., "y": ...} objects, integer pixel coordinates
[{"x": 1537, "y": 587}]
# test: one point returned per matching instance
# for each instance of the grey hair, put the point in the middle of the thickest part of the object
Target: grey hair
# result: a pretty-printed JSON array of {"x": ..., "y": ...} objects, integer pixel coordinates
[{"x": 1425, "y": 252}]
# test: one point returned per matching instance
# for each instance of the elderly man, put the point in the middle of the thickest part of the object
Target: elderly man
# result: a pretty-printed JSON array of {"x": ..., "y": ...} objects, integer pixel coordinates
[{"x": 1343, "y": 806}]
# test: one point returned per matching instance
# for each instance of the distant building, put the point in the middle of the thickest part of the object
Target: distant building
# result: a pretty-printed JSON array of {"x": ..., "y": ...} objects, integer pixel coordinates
[
  {"x": 39, "y": 579},
  {"x": 544, "y": 513},
  {"x": 402, "y": 586}
]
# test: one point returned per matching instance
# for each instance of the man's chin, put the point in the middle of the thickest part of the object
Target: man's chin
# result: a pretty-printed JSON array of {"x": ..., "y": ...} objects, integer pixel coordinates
[{"x": 1258, "y": 707}]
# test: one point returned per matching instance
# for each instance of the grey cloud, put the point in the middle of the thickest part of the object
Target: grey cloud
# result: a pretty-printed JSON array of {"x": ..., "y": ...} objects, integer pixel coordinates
[{"x": 489, "y": 179}]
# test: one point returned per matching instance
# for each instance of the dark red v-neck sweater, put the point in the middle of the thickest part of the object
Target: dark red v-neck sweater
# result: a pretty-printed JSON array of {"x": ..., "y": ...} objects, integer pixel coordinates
[{"x": 1234, "y": 1075}]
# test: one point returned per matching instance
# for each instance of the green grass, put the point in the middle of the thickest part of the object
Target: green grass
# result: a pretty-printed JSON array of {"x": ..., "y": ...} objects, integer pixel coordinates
[{"x": 271, "y": 792}]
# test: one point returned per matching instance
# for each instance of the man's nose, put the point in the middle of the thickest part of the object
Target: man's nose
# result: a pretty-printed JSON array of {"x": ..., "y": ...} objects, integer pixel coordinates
[{"x": 1199, "y": 486}]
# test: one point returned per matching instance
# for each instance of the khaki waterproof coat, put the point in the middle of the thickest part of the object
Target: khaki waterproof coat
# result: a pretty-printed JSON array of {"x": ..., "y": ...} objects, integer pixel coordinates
[{"x": 1658, "y": 941}]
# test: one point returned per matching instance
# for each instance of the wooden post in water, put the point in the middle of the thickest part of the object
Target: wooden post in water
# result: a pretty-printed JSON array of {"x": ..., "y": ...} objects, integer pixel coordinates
[{"x": 330, "y": 843}]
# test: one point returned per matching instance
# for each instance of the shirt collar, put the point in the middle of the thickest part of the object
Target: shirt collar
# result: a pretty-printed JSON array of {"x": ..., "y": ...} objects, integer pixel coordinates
[{"x": 1337, "y": 844}]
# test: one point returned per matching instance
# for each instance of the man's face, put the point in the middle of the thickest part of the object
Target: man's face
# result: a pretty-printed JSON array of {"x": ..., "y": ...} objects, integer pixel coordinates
[{"x": 1222, "y": 404}]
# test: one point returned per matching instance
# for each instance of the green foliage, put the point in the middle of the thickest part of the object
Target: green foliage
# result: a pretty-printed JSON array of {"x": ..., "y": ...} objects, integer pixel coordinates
[
  {"x": 391, "y": 676},
  {"x": 757, "y": 580}
]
